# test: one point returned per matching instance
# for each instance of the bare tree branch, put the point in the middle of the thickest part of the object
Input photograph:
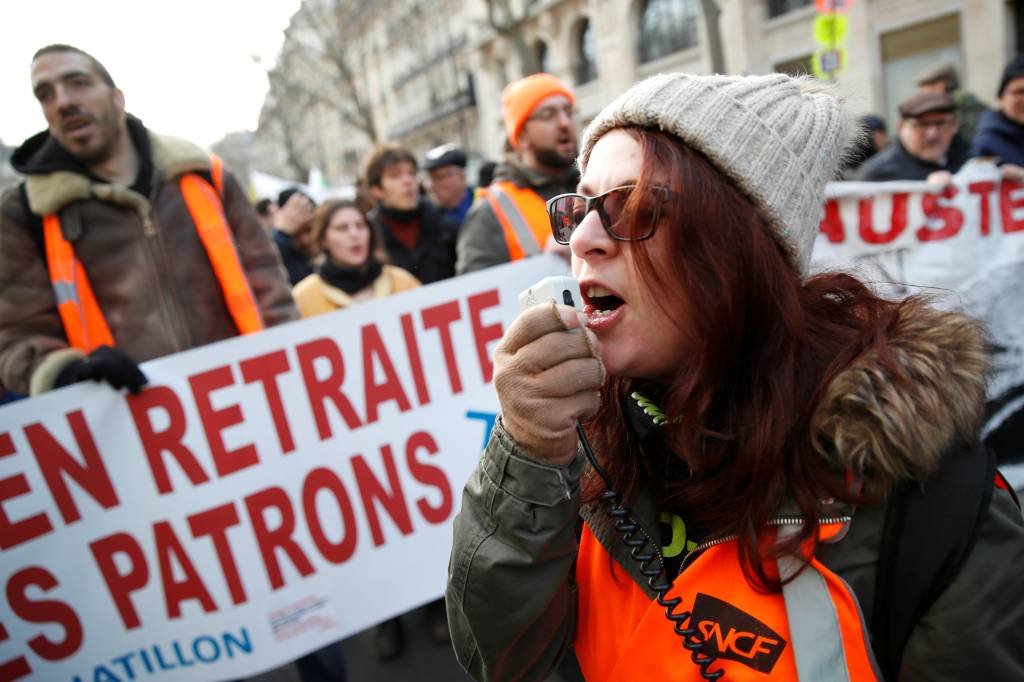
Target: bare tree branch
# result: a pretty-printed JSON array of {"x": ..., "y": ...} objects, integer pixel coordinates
[
  {"x": 333, "y": 29},
  {"x": 285, "y": 113},
  {"x": 319, "y": 71}
]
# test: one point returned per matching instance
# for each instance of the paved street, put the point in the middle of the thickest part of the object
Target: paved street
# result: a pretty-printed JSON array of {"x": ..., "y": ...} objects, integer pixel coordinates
[{"x": 422, "y": 660}]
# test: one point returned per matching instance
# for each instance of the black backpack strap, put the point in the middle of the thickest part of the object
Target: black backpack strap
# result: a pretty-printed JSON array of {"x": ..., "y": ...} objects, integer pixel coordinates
[{"x": 930, "y": 529}]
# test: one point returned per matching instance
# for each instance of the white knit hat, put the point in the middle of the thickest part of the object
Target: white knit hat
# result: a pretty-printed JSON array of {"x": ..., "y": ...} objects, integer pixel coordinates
[{"x": 780, "y": 139}]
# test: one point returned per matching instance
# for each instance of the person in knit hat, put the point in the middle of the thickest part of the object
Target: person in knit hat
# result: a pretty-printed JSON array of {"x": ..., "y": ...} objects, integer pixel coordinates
[
  {"x": 692, "y": 474},
  {"x": 1001, "y": 132},
  {"x": 508, "y": 220}
]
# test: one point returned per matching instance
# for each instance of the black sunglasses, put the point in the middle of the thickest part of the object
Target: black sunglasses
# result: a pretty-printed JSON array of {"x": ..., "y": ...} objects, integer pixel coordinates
[{"x": 567, "y": 211}]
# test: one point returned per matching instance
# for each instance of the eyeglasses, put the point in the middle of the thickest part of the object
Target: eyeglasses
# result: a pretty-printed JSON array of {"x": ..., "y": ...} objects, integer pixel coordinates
[
  {"x": 552, "y": 112},
  {"x": 567, "y": 211},
  {"x": 937, "y": 124}
]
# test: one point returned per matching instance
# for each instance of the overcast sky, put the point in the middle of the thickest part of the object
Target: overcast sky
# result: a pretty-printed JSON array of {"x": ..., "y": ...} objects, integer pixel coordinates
[{"x": 186, "y": 67}]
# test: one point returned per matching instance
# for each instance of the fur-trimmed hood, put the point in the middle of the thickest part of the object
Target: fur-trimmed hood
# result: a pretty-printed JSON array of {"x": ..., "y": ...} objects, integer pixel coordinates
[
  {"x": 55, "y": 178},
  {"x": 893, "y": 413}
]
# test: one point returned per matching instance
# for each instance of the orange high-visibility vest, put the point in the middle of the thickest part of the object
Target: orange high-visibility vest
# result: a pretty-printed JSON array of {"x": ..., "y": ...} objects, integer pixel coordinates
[
  {"x": 813, "y": 630},
  {"x": 523, "y": 216},
  {"x": 84, "y": 324}
]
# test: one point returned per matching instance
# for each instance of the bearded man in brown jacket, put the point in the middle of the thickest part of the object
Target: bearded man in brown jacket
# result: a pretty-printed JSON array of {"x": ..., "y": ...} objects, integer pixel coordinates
[{"x": 112, "y": 191}]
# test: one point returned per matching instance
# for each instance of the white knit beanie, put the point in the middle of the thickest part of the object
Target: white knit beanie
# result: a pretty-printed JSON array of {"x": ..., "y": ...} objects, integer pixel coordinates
[{"x": 779, "y": 139}]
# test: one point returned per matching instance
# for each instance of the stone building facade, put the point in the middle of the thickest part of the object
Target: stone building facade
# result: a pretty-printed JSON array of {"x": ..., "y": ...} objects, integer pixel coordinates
[
  {"x": 433, "y": 70},
  {"x": 356, "y": 72},
  {"x": 889, "y": 42}
]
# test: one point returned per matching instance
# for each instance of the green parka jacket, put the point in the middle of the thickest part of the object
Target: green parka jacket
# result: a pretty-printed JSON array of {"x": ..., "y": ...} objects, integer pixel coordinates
[{"x": 511, "y": 596}]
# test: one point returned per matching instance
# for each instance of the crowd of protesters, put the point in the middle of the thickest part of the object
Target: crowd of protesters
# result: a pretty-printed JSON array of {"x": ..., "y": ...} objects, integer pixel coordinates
[
  {"x": 80, "y": 303},
  {"x": 941, "y": 126}
]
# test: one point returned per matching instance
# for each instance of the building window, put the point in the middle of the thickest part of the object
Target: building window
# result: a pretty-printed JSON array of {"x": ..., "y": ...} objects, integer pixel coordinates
[
  {"x": 666, "y": 26},
  {"x": 908, "y": 51},
  {"x": 778, "y": 7},
  {"x": 540, "y": 53},
  {"x": 585, "y": 68}
]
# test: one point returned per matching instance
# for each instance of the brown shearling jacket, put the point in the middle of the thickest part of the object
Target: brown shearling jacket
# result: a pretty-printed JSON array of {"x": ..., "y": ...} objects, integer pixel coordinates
[{"x": 142, "y": 255}]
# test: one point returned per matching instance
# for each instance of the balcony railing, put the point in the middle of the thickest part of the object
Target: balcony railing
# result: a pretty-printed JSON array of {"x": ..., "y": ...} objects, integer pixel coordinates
[
  {"x": 430, "y": 61},
  {"x": 454, "y": 104}
]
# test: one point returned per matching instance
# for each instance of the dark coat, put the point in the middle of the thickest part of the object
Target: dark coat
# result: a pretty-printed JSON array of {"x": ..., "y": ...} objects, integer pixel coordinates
[
  {"x": 433, "y": 257},
  {"x": 896, "y": 163},
  {"x": 295, "y": 262},
  {"x": 999, "y": 136}
]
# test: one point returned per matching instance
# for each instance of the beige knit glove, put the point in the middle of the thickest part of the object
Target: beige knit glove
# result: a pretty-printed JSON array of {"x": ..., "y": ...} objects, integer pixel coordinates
[{"x": 548, "y": 375}]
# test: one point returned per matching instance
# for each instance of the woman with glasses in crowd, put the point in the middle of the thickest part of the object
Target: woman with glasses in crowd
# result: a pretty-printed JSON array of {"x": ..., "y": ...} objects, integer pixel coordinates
[{"x": 757, "y": 430}]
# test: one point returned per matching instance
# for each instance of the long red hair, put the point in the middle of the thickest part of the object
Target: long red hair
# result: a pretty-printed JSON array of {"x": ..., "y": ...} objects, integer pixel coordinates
[{"x": 765, "y": 345}]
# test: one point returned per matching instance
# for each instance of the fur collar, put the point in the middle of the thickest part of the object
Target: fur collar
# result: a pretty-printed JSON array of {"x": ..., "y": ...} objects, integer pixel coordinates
[
  {"x": 50, "y": 192},
  {"x": 893, "y": 413}
]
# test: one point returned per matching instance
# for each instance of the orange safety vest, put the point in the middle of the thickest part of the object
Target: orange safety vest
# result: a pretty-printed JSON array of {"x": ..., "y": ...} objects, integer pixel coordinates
[
  {"x": 84, "y": 324},
  {"x": 523, "y": 215},
  {"x": 813, "y": 630}
]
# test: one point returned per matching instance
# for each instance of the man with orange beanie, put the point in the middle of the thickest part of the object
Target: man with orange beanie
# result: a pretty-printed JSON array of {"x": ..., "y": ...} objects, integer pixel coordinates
[{"x": 509, "y": 220}]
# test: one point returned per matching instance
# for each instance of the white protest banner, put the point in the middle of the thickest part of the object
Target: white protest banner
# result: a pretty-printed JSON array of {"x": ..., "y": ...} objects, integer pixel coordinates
[
  {"x": 262, "y": 497},
  {"x": 963, "y": 244}
]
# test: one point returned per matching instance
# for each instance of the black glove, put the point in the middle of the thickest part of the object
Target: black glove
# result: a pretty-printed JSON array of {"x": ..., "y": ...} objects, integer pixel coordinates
[{"x": 104, "y": 364}]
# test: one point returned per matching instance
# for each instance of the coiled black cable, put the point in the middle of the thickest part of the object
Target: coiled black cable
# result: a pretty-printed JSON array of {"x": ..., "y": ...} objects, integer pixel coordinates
[{"x": 657, "y": 576}]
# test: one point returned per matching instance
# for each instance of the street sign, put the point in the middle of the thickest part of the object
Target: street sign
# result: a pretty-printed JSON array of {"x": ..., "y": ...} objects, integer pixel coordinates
[
  {"x": 826, "y": 63},
  {"x": 830, "y": 29},
  {"x": 832, "y": 6}
]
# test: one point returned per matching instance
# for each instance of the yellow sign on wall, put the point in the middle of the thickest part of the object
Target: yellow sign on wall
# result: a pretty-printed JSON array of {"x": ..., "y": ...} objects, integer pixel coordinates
[
  {"x": 830, "y": 28},
  {"x": 827, "y": 63}
]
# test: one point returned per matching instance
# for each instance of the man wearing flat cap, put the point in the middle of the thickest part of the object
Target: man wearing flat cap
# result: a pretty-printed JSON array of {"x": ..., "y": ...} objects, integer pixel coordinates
[
  {"x": 924, "y": 142},
  {"x": 510, "y": 219},
  {"x": 446, "y": 172}
]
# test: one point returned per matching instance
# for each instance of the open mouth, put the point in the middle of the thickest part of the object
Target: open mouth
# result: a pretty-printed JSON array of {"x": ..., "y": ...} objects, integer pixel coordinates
[
  {"x": 600, "y": 302},
  {"x": 75, "y": 124}
]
